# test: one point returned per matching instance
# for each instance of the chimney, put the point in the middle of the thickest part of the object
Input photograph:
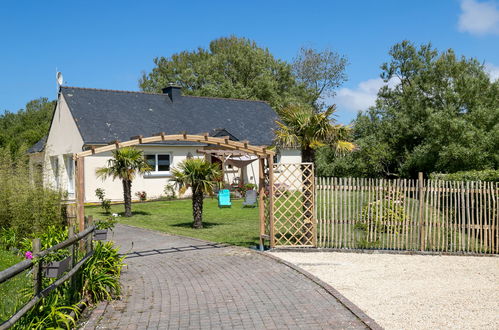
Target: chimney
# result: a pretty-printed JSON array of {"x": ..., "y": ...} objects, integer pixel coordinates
[{"x": 174, "y": 92}]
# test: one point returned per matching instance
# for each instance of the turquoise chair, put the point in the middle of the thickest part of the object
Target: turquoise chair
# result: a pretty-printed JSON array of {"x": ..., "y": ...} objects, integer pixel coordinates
[{"x": 224, "y": 198}]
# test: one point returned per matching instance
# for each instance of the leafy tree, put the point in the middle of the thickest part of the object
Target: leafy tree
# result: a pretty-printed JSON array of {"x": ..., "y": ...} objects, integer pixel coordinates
[
  {"x": 124, "y": 165},
  {"x": 201, "y": 176},
  {"x": 442, "y": 115},
  {"x": 19, "y": 131},
  {"x": 307, "y": 129},
  {"x": 321, "y": 72},
  {"x": 232, "y": 67}
]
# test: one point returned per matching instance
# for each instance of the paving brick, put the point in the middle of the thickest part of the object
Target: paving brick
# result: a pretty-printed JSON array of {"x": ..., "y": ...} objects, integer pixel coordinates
[{"x": 173, "y": 282}]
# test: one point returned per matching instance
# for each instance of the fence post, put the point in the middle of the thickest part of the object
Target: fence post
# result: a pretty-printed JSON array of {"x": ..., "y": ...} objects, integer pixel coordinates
[
  {"x": 90, "y": 223},
  {"x": 421, "y": 211},
  {"x": 37, "y": 267},
  {"x": 72, "y": 250}
]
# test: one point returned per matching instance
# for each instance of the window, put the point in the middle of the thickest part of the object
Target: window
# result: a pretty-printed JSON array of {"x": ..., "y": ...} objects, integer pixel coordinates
[
  {"x": 69, "y": 162},
  {"x": 159, "y": 163},
  {"x": 54, "y": 163}
]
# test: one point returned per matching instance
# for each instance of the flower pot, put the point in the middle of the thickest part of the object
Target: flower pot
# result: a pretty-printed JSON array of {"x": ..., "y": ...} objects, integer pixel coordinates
[
  {"x": 100, "y": 234},
  {"x": 55, "y": 269}
]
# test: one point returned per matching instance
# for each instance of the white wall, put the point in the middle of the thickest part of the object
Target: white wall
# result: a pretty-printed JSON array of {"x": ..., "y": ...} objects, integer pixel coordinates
[
  {"x": 290, "y": 156},
  {"x": 152, "y": 185},
  {"x": 63, "y": 140}
]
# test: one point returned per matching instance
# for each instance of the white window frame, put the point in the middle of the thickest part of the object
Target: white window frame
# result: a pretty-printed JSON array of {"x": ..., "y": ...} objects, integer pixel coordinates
[
  {"x": 155, "y": 172},
  {"x": 70, "y": 172}
]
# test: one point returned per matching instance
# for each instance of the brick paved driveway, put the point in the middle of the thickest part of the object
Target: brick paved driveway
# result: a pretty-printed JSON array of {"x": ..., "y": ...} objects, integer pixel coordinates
[{"x": 175, "y": 282}]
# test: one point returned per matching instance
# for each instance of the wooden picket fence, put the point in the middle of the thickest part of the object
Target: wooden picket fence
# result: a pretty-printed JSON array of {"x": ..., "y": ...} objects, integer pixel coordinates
[{"x": 423, "y": 215}]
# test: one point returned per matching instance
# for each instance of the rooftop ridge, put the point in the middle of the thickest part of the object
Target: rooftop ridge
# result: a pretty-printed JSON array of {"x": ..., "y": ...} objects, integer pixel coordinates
[{"x": 151, "y": 93}]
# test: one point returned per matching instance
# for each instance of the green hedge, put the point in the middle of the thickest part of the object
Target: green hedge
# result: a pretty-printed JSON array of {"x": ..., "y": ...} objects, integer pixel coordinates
[{"x": 484, "y": 175}]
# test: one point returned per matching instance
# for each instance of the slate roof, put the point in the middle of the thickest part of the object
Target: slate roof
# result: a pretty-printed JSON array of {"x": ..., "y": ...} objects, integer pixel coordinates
[
  {"x": 39, "y": 146},
  {"x": 103, "y": 116}
]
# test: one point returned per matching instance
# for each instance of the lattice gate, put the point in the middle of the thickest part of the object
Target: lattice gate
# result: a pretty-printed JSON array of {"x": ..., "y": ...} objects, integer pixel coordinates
[{"x": 292, "y": 220}]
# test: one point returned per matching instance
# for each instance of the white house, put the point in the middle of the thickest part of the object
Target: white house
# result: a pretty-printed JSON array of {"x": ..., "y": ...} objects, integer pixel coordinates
[{"x": 86, "y": 118}]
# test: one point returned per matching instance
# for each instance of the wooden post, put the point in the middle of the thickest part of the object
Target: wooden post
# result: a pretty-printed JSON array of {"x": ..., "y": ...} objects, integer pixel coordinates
[
  {"x": 90, "y": 223},
  {"x": 261, "y": 196},
  {"x": 37, "y": 267},
  {"x": 270, "y": 162},
  {"x": 72, "y": 253},
  {"x": 80, "y": 193},
  {"x": 421, "y": 211}
]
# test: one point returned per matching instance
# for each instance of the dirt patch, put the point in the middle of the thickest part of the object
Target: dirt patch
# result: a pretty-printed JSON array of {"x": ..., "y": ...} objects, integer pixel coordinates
[{"x": 412, "y": 291}]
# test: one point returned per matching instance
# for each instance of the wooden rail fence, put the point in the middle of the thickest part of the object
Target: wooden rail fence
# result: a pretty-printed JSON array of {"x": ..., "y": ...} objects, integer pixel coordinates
[
  {"x": 424, "y": 215},
  {"x": 39, "y": 292}
]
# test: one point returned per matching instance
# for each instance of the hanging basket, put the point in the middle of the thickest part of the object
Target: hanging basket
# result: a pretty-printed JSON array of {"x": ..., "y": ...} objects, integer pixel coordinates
[
  {"x": 100, "y": 234},
  {"x": 55, "y": 269}
]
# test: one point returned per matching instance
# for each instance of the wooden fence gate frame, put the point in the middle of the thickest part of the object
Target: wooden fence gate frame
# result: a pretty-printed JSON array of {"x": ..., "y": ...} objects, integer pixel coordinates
[
  {"x": 265, "y": 161},
  {"x": 290, "y": 217}
]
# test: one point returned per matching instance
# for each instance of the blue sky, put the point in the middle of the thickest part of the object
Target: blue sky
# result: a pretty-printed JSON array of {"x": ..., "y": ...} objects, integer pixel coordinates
[{"x": 107, "y": 44}]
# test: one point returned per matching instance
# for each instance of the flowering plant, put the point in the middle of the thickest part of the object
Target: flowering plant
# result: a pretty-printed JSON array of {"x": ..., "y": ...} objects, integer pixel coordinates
[{"x": 142, "y": 195}]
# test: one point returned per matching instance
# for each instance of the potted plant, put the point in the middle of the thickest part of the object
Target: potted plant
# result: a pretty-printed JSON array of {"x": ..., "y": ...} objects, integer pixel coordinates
[{"x": 102, "y": 227}]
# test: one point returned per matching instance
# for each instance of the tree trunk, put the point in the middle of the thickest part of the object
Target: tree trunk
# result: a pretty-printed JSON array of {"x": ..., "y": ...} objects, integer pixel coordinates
[
  {"x": 308, "y": 155},
  {"x": 127, "y": 197},
  {"x": 197, "y": 208}
]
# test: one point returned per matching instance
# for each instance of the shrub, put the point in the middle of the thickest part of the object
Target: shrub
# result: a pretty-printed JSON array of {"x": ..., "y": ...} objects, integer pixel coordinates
[
  {"x": 484, "y": 175},
  {"x": 97, "y": 280},
  {"x": 101, "y": 275},
  {"x": 104, "y": 202},
  {"x": 142, "y": 195},
  {"x": 385, "y": 215},
  {"x": 242, "y": 189},
  {"x": 26, "y": 206},
  {"x": 170, "y": 191}
]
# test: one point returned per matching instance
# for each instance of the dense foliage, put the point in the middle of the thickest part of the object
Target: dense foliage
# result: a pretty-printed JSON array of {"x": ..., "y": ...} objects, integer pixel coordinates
[
  {"x": 26, "y": 207},
  {"x": 485, "y": 175},
  {"x": 96, "y": 281},
  {"x": 321, "y": 72},
  {"x": 20, "y": 130},
  {"x": 437, "y": 113},
  {"x": 232, "y": 67}
]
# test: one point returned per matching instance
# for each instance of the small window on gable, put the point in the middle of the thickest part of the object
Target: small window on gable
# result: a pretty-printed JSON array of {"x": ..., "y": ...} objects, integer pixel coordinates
[{"x": 159, "y": 162}]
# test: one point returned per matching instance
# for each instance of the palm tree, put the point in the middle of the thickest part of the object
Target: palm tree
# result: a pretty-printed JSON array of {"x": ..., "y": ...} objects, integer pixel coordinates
[
  {"x": 307, "y": 129},
  {"x": 201, "y": 176},
  {"x": 126, "y": 162}
]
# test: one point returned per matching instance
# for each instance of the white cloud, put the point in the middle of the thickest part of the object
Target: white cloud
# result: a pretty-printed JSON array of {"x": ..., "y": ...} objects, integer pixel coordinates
[
  {"x": 362, "y": 97},
  {"x": 492, "y": 70},
  {"x": 479, "y": 18}
]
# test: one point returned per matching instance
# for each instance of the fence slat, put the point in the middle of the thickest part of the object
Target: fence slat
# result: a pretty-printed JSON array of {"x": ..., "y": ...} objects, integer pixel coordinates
[{"x": 443, "y": 216}]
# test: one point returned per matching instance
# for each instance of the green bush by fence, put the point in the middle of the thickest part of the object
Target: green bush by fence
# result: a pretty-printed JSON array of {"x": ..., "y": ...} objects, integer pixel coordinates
[
  {"x": 485, "y": 175},
  {"x": 26, "y": 207}
]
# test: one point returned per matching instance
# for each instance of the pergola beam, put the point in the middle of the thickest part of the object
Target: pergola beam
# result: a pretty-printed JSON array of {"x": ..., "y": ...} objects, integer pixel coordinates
[{"x": 222, "y": 141}]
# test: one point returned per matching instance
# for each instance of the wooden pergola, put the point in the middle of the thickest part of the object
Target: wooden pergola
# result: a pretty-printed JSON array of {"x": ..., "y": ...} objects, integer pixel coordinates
[
  {"x": 225, "y": 155},
  {"x": 265, "y": 160}
]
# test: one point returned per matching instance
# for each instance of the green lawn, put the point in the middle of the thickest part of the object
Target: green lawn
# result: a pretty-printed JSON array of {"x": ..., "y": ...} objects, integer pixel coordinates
[
  {"x": 235, "y": 225},
  {"x": 10, "y": 291}
]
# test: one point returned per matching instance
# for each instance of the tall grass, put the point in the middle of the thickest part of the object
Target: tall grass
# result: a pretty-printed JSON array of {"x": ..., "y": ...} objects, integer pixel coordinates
[{"x": 26, "y": 206}]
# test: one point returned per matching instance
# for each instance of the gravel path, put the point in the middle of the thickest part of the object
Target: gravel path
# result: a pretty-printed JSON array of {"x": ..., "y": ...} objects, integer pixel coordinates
[
  {"x": 174, "y": 282},
  {"x": 412, "y": 291}
]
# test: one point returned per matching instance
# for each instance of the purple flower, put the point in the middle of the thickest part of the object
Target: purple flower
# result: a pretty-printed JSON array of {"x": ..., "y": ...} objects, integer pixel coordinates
[{"x": 28, "y": 255}]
